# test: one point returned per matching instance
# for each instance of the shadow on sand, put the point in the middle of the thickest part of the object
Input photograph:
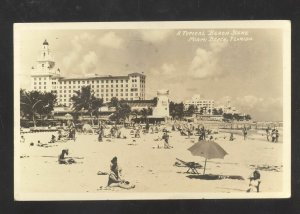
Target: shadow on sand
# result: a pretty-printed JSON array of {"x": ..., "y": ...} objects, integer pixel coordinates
[{"x": 215, "y": 177}]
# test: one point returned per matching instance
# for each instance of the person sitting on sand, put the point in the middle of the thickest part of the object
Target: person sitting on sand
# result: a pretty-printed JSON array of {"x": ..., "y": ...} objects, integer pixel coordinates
[
  {"x": 63, "y": 160},
  {"x": 114, "y": 178},
  {"x": 254, "y": 181},
  {"x": 53, "y": 139}
]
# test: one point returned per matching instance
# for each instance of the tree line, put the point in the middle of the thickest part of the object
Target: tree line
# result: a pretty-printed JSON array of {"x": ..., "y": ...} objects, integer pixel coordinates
[{"x": 36, "y": 104}]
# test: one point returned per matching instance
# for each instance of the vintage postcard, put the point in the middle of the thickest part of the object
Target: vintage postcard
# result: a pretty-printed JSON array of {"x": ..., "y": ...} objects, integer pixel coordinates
[{"x": 152, "y": 110}]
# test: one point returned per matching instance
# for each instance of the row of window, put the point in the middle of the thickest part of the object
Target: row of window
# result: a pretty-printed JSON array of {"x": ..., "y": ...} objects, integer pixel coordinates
[
  {"x": 107, "y": 95},
  {"x": 65, "y": 102}
]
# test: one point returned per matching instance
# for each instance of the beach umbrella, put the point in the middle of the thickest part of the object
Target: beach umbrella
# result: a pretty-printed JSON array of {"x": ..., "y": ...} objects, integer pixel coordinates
[
  {"x": 208, "y": 150},
  {"x": 68, "y": 117}
]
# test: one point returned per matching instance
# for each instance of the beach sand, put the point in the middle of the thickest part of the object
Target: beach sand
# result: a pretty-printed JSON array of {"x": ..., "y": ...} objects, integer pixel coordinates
[{"x": 143, "y": 164}]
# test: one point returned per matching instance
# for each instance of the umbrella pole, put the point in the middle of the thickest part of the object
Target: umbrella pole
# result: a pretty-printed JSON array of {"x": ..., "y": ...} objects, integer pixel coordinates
[{"x": 204, "y": 166}]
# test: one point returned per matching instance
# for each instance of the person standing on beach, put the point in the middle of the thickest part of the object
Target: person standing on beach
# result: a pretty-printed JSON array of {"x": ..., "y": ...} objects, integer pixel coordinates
[
  {"x": 100, "y": 134},
  {"x": 276, "y": 135},
  {"x": 165, "y": 137},
  {"x": 245, "y": 132}
]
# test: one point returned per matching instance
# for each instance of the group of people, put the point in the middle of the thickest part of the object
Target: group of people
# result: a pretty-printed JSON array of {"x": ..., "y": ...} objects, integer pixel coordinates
[{"x": 273, "y": 134}]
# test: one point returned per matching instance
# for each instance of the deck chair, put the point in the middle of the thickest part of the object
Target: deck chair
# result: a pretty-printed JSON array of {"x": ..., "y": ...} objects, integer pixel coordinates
[{"x": 192, "y": 166}]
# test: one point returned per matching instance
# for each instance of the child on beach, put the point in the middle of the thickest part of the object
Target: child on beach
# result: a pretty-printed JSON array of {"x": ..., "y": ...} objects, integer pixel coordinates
[{"x": 254, "y": 182}]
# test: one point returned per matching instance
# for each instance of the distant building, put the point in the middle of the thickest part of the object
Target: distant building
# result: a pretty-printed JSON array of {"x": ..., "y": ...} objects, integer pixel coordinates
[
  {"x": 46, "y": 78},
  {"x": 205, "y": 106},
  {"x": 228, "y": 109}
]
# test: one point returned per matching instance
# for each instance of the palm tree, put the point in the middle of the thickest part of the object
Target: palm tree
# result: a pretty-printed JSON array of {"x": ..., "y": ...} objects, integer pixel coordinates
[
  {"x": 85, "y": 100},
  {"x": 35, "y": 103}
]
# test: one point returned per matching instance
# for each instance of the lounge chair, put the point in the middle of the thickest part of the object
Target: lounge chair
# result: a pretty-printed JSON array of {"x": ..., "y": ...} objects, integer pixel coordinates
[{"x": 192, "y": 166}]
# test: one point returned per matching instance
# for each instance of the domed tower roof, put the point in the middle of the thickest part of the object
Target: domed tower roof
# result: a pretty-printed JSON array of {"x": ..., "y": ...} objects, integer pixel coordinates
[{"x": 45, "y": 42}]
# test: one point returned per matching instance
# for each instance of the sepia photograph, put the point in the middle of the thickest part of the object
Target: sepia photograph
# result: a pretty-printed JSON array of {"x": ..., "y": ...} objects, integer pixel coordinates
[{"x": 152, "y": 110}]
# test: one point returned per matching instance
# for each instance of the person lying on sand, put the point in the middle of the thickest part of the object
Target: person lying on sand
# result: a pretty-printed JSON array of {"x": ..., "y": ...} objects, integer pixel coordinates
[
  {"x": 254, "y": 182},
  {"x": 65, "y": 160},
  {"x": 114, "y": 178}
]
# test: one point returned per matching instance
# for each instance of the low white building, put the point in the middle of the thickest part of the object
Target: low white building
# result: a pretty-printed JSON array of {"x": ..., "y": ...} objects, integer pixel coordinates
[
  {"x": 200, "y": 104},
  {"x": 162, "y": 107}
]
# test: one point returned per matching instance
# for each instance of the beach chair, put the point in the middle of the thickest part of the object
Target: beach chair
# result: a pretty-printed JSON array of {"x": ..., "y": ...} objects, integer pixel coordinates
[{"x": 192, "y": 166}]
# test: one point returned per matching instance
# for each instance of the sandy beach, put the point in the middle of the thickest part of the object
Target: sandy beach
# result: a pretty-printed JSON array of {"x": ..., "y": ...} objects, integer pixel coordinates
[{"x": 143, "y": 164}]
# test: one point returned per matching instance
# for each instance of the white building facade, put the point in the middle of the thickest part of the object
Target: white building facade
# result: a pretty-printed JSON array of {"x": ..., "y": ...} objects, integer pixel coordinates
[
  {"x": 162, "y": 106},
  {"x": 46, "y": 78},
  {"x": 200, "y": 104}
]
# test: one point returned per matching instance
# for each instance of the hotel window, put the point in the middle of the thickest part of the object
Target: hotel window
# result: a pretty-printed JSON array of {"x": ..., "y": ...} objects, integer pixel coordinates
[
  {"x": 112, "y": 86},
  {"x": 34, "y": 87},
  {"x": 121, "y": 86},
  {"x": 126, "y": 89},
  {"x": 106, "y": 99},
  {"x": 126, "y": 80},
  {"x": 117, "y": 90},
  {"x": 87, "y": 82},
  {"x": 136, "y": 94},
  {"x": 40, "y": 83},
  {"x": 69, "y": 82},
  {"x": 69, "y": 91},
  {"x": 121, "y": 81},
  {"x": 112, "y": 95},
  {"x": 92, "y": 86},
  {"x": 74, "y": 86},
  {"x": 112, "y": 90},
  {"x": 102, "y": 90},
  {"x": 65, "y": 100},
  {"x": 106, "y": 81},
  {"x": 111, "y": 81},
  {"x": 126, "y": 85},
  {"x": 83, "y": 82},
  {"x": 121, "y": 89},
  {"x": 107, "y": 95},
  {"x": 97, "y": 86},
  {"x": 44, "y": 87},
  {"x": 65, "y": 91},
  {"x": 116, "y": 81},
  {"x": 121, "y": 95},
  {"x": 70, "y": 86},
  {"x": 34, "y": 78},
  {"x": 34, "y": 83},
  {"x": 102, "y": 86},
  {"x": 92, "y": 81},
  {"x": 97, "y": 90},
  {"x": 106, "y": 90},
  {"x": 39, "y": 78},
  {"x": 117, "y": 86},
  {"x": 102, "y": 81}
]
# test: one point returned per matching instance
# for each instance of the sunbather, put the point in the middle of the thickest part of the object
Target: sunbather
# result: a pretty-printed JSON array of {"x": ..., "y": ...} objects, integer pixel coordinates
[{"x": 114, "y": 178}]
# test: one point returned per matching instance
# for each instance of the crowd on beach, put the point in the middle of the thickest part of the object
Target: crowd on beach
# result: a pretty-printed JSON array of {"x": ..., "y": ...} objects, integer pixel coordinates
[{"x": 103, "y": 130}]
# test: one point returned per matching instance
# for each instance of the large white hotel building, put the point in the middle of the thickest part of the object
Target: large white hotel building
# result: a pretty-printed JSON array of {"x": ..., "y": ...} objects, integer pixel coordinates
[{"x": 46, "y": 78}]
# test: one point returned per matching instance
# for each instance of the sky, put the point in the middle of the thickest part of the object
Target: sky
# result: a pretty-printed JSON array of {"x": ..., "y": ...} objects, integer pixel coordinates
[{"x": 249, "y": 73}]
